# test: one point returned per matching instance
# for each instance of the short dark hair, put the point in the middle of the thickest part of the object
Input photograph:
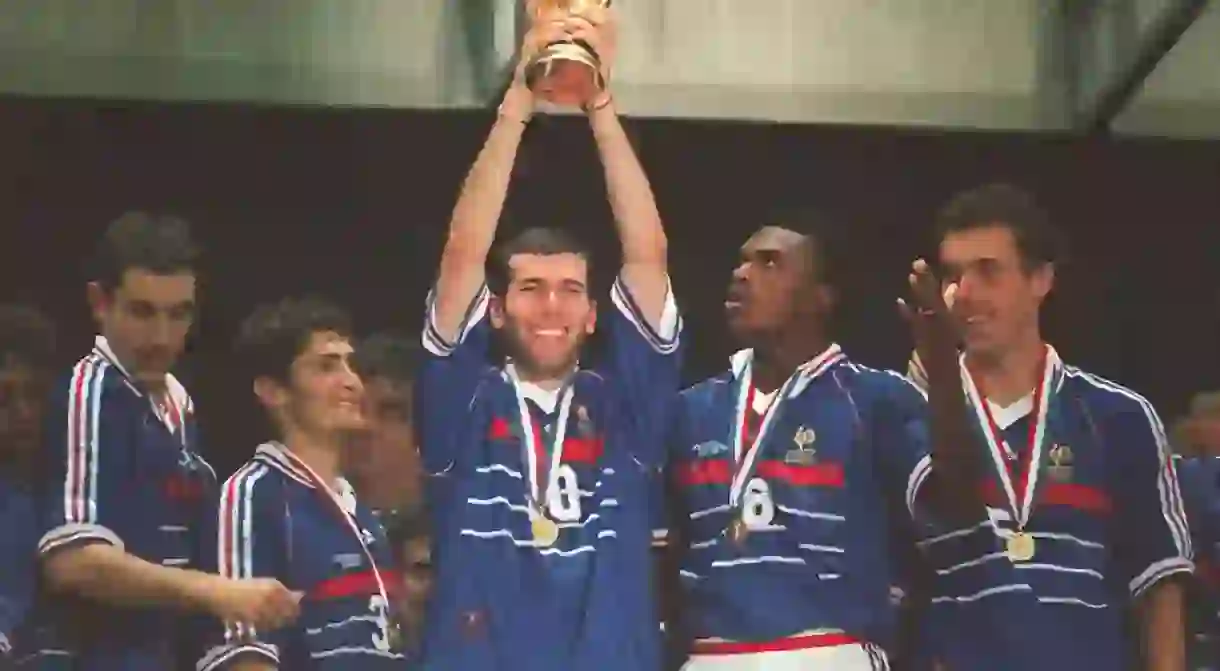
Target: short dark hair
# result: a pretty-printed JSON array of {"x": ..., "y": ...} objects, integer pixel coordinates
[
  {"x": 821, "y": 232},
  {"x": 539, "y": 240},
  {"x": 1009, "y": 206},
  {"x": 277, "y": 333},
  {"x": 158, "y": 243},
  {"x": 27, "y": 337},
  {"x": 387, "y": 355}
]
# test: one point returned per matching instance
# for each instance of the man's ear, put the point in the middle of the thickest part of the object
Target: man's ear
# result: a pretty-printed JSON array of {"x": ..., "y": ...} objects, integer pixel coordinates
[{"x": 269, "y": 392}]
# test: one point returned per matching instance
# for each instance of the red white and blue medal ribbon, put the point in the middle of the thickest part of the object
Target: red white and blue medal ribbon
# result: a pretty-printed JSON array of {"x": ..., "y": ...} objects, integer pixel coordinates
[
  {"x": 348, "y": 517},
  {"x": 541, "y": 476},
  {"x": 1019, "y": 484},
  {"x": 746, "y": 456}
]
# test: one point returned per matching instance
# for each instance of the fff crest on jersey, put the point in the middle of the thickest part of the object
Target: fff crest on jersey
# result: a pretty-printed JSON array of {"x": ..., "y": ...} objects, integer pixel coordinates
[
  {"x": 804, "y": 453},
  {"x": 1060, "y": 463}
]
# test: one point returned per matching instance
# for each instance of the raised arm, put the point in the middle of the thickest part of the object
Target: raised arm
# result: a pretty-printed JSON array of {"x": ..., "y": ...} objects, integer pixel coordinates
[
  {"x": 641, "y": 234},
  {"x": 472, "y": 227}
]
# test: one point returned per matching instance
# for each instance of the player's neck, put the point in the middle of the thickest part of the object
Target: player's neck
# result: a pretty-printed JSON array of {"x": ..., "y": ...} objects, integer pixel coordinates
[
  {"x": 542, "y": 379},
  {"x": 1010, "y": 375},
  {"x": 322, "y": 454},
  {"x": 775, "y": 364}
]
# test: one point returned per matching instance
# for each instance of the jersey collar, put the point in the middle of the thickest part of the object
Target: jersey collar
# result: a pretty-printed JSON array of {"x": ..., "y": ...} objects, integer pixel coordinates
[
  {"x": 276, "y": 456},
  {"x": 102, "y": 349},
  {"x": 806, "y": 372}
]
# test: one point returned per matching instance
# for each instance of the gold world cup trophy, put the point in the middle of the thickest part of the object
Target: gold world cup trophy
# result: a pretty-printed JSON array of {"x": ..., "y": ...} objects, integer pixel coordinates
[{"x": 564, "y": 73}]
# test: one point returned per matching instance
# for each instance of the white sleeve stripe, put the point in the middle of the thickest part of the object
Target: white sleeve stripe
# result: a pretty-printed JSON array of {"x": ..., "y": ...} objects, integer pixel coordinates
[
  {"x": 1167, "y": 481},
  {"x": 919, "y": 474},
  {"x": 84, "y": 414},
  {"x": 1157, "y": 572},
  {"x": 432, "y": 339},
  {"x": 217, "y": 658},
  {"x": 72, "y": 534},
  {"x": 235, "y": 534},
  {"x": 670, "y": 323}
]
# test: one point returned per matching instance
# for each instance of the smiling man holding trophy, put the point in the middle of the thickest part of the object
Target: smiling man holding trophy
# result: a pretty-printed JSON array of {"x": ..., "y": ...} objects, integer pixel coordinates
[{"x": 543, "y": 533}]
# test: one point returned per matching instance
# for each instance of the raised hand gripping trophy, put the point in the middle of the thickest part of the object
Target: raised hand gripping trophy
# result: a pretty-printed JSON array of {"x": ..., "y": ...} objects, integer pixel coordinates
[{"x": 565, "y": 73}]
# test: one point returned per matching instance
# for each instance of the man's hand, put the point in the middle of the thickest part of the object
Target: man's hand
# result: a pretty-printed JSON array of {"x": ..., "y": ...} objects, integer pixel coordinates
[
  {"x": 597, "y": 27},
  {"x": 930, "y": 317},
  {"x": 955, "y": 454},
  {"x": 263, "y": 603}
]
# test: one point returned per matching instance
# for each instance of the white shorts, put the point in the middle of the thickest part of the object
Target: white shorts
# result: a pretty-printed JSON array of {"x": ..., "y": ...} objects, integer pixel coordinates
[{"x": 846, "y": 657}]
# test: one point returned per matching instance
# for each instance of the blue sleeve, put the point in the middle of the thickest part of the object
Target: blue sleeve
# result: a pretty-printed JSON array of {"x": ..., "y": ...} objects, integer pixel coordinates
[
  {"x": 18, "y": 545},
  {"x": 1155, "y": 542},
  {"x": 902, "y": 442},
  {"x": 645, "y": 365},
  {"x": 87, "y": 458},
  {"x": 448, "y": 379},
  {"x": 1197, "y": 497},
  {"x": 247, "y": 540}
]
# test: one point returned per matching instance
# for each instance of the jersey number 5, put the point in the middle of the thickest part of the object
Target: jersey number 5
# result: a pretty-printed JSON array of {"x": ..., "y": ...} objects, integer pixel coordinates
[
  {"x": 563, "y": 501},
  {"x": 758, "y": 510}
]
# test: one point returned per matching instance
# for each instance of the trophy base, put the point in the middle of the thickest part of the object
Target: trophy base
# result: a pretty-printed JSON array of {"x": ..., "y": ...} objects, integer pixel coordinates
[{"x": 565, "y": 74}]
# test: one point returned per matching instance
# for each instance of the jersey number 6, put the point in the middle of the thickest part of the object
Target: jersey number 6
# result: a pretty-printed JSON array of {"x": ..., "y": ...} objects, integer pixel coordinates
[
  {"x": 758, "y": 510},
  {"x": 563, "y": 501}
]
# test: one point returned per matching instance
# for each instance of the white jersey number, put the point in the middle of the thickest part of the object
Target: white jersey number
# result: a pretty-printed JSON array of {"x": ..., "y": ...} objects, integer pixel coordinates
[
  {"x": 1001, "y": 522},
  {"x": 758, "y": 510},
  {"x": 381, "y": 619},
  {"x": 563, "y": 501}
]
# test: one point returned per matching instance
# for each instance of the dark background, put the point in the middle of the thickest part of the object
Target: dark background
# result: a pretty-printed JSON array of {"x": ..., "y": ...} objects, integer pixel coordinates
[{"x": 353, "y": 204}]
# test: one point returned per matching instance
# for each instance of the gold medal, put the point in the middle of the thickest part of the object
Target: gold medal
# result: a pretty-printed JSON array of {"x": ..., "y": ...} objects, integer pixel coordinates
[
  {"x": 545, "y": 531},
  {"x": 738, "y": 532},
  {"x": 1020, "y": 547}
]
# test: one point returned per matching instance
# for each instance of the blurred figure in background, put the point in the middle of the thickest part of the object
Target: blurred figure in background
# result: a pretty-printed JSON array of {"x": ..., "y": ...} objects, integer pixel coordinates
[
  {"x": 27, "y": 347},
  {"x": 410, "y": 536},
  {"x": 383, "y": 462},
  {"x": 1197, "y": 439}
]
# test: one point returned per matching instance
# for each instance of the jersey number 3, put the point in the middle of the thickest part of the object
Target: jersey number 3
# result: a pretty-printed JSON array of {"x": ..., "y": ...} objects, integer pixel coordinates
[
  {"x": 563, "y": 500},
  {"x": 380, "y": 611},
  {"x": 758, "y": 510}
]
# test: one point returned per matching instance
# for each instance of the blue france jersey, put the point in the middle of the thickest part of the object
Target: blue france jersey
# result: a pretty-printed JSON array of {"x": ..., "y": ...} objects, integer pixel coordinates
[
  {"x": 500, "y": 600},
  {"x": 119, "y": 471},
  {"x": 273, "y": 522},
  {"x": 840, "y": 465},
  {"x": 1108, "y": 524},
  {"x": 18, "y": 545}
]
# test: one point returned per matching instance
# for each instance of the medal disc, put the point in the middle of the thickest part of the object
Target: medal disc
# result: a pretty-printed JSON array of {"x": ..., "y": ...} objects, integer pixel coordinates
[
  {"x": 738, "y": 531},
  {"x": 545, "y": 531},
  {"x": 1020, "y": 547}
]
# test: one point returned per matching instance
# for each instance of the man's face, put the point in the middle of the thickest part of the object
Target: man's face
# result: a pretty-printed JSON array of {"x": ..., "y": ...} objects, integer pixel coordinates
[
  {"x": 324, "y": 393},
  {"x": 997, "y": 297},
  {"x": 23, "y": 393},
  {"x": 546, "y": 313},
  {"x": 1205, "y": 430},
  {"x": 384, "y": 459},
  {"x": 770, "y": 285},
  {"x": 146, "y": 319}
]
